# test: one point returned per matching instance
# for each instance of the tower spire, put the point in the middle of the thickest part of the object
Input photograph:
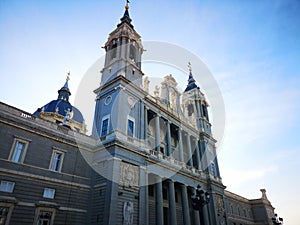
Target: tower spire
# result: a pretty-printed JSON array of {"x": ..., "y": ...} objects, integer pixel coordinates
[
  {"x": 191, "y": 81},
  {"x": 64, "y": 93},
  {"x": 126, "y": 18}
]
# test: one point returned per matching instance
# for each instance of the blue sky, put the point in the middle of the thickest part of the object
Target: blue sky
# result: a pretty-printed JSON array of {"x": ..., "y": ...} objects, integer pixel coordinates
[{"x": 251, "y": 47}]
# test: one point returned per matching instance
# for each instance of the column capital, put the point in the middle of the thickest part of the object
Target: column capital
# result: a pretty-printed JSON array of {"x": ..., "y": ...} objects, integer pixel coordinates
[
  {"x": 170, "y": 180},
  {"x": 182, "y": 185},
  {"x": 143, "y": 168},
  {"x": 179, "y": 129}
]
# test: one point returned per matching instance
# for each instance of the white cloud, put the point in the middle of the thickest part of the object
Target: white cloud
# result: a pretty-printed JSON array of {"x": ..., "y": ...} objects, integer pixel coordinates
[{"x": 238, "y": 177}]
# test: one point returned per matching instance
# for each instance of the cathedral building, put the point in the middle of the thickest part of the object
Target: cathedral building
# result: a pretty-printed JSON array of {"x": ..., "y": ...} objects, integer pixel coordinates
[{"x": 150, "y": 159}]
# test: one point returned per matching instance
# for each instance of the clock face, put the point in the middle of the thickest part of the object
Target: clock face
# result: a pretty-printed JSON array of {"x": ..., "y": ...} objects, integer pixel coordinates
[{"x": 107, "y": 100}]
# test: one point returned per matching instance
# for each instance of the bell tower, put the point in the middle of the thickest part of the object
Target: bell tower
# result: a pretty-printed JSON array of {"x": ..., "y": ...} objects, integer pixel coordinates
[
  {"x": 123, "y": 53},
  {"x": 121, "y": 74},
  {"x": 195, "y": 105},
  {"x": 195, "y": 109}
]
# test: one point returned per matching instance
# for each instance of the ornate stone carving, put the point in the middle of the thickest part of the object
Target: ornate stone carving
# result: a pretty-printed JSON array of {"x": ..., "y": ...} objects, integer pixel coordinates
[
  {"x": 220, "y": 205},
  {"x": 129, "y": 175}
]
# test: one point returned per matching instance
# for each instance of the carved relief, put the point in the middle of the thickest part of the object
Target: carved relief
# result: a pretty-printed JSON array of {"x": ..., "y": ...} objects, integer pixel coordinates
[
  {"x": 129, "y": 175},
  {"x": 220, "y": 205}
]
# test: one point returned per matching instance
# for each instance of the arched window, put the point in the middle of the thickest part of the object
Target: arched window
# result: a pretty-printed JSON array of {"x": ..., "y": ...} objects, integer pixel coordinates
[
  {"x": 113, "y": 50},
  {"x": 132, "y": 53},
  {"x": 190, "y": 109}
]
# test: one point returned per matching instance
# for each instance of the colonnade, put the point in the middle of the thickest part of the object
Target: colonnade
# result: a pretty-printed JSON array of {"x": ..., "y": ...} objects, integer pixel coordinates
[
  {"x": 182, "y": 137},
  {"x": 189, "y": 215}
]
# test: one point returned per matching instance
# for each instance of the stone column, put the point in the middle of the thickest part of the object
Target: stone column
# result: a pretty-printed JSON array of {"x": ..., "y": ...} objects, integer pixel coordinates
[
  {"x": 128, "y": 48},
  {"x": 185, "y": 205},
  {"x": 159, "y": 201},
  {"x": 205, "y": 215},
  {"x": 196, "y": 217},
  {"x": 190, "y": 156},
  {"x": 146, "y": 126},
  {"x": 157, "y": 133},
  {"x": 141, "y": 125},
  {"x": 123, "y": 48},
  {"x": 143, "y": 197},
  {"x": 172, "y": 202},
  {"x": 198, "y": 107},
  {"x": 181, "y": 158},
  {"x": 119, "y": 48},
  {"x": 169, "y": 144},
  {"x": 197, "y": 154}
]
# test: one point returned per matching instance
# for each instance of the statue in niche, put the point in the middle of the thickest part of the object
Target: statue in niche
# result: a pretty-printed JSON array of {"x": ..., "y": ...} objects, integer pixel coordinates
[
  {"x": 128, "y": 213},
  {"x": 146, "y": 84},
  {"x": 156, "y": 91},
  {"x": 173, "y": 100}
]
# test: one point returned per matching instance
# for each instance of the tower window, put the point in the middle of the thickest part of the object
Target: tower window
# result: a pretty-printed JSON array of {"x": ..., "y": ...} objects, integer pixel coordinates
[
  {"x": 213, "y": 169},
  {"x": 204, "y": 111},
  {"x": 105, "y": 126},
  {"x": 18, "y": 151},
  {"x": 130, "y": 127},
  {"x": 113, "y": 50},
  {"x": 56, "y": 161},
  {"x": 190, "y": 109},
  {"x": 132, "y": 53}
]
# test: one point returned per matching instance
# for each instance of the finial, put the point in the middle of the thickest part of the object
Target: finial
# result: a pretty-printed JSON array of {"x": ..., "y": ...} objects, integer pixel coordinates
[
  {"x": 190, "y": 66},
  {"x": 127, "y": 4},
  {"x": 68, "y": 76}
]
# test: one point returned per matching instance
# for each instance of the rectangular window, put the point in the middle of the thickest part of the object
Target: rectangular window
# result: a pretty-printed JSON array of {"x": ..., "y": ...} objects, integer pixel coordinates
[
  {"x": 49, "y": 193},
  {"x": 130, "y": 128},
  {"x": 213, "y": 169},
  {"x": 104, "y": 128},
  {"x": 56, "y": 161},
  {"x": 7, "y": 186},
  {"x": 3, "y": 215},
  {"x": 44, "y": 217},
  {"x": 18, "y": 150}
]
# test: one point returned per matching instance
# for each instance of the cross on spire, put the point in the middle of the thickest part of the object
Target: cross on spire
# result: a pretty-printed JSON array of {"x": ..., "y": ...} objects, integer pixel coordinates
[
  {"x": 190, "y": 66},
  {"x": 191, "y": 81},
  {"x": 68, "y": 76},
  {"x": 127, "y": 4}
]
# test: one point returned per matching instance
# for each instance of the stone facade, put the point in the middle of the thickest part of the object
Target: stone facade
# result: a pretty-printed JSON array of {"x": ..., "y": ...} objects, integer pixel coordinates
[{"x": 141, "y": 165}]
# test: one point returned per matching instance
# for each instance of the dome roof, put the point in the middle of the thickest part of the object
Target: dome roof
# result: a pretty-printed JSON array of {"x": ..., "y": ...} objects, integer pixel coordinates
[{"x": 62, "y": 105}]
